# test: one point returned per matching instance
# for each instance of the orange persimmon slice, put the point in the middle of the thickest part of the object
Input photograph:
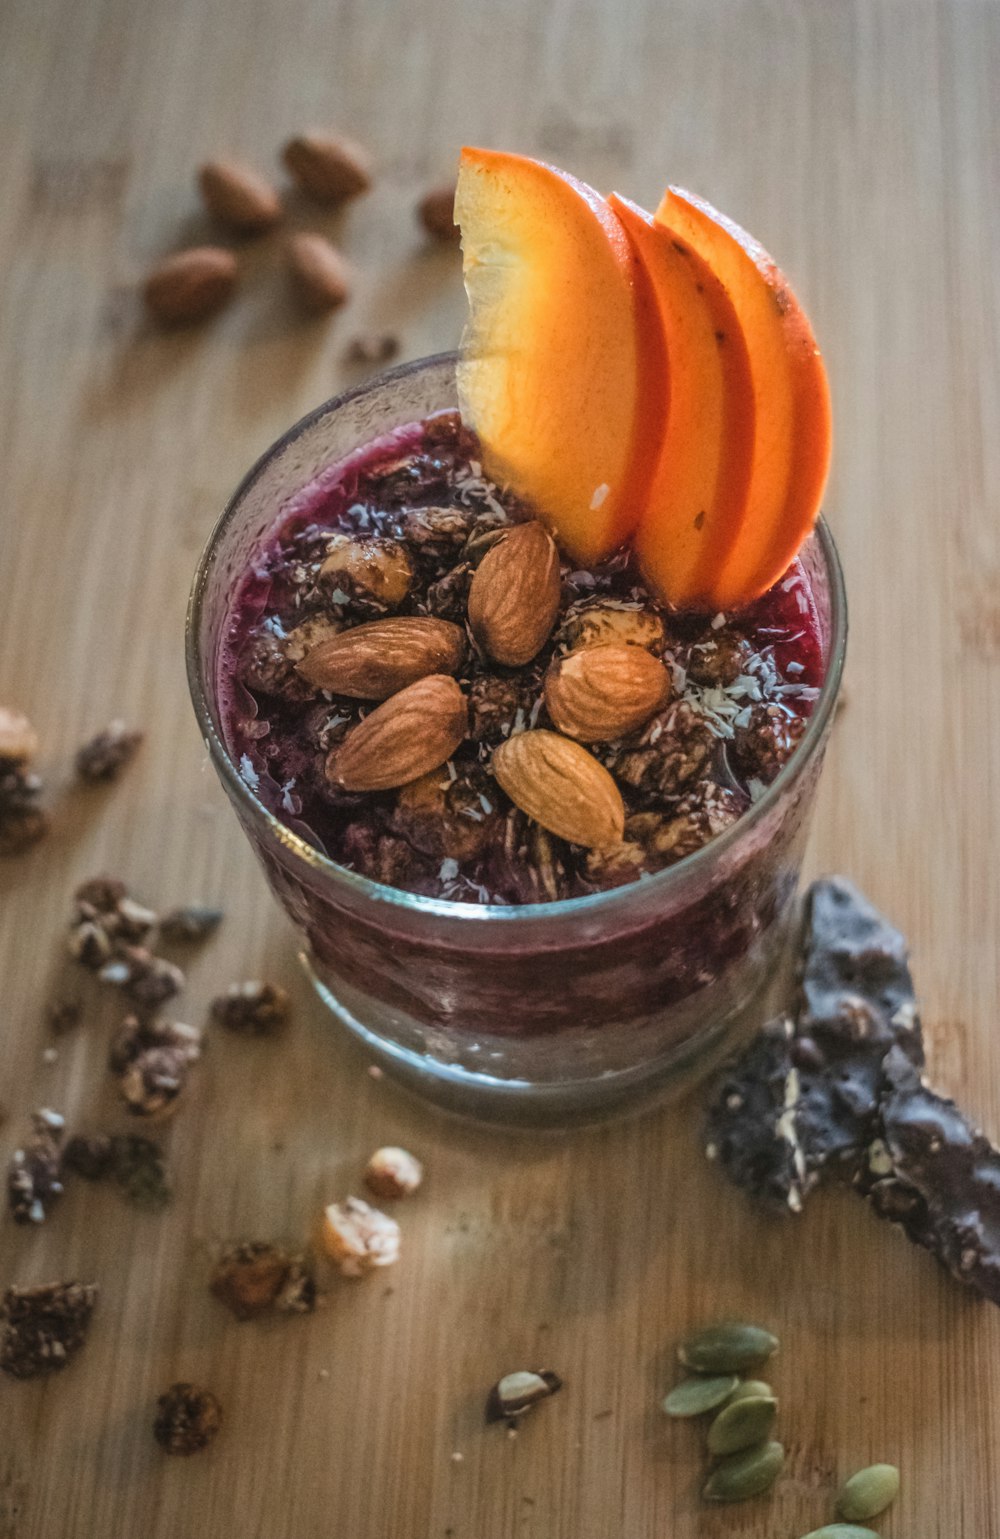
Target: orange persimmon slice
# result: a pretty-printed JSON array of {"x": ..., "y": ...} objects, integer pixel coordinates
[
  {"x": 559, "y": 348},
  {"x": 791, "y": 454},
  {"x": 698, "y": 493}
]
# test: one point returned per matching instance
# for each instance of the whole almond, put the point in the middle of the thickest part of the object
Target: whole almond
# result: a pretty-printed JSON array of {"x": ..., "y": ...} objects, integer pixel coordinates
[
  {"x": 191, "y": 285},
  {"x": 605, "y": 692},
  {"x": 319, "y": 272},
  {"x": 374, "y": 661},
  {"x": 404, "y": 737},
  {"x": 436, "y": 212},
  {"x": 328, "y": 168},
  {"x": 238, "y": 196},
  {"x": 514, "y": 595},
  {"x": 562, "y": 787}
]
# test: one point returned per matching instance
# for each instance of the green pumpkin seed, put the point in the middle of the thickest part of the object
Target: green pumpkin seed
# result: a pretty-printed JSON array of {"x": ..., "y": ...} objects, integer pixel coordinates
[
  {"x": 693, "y": 1397},
  {"x": 742, "y": 1424},
  {"x": 745, "y": 1474},
  {"x": 751, "y": 1387},
  {"x": 842, "y": 1531},
  {"x": 727, "y": 1348},
  {"x": 869, "y": 1492}
]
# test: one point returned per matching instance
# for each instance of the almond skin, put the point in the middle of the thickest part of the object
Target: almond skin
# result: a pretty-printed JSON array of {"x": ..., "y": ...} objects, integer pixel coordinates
[
  {"x": 319, "y": 272},
  {"x": 327, "y": 168},
  {"x": 514, "y": 596},
  {"x": 238, "y": 196},
  {"x": 374, "y": 661},
  {"x": 562, "y": 787},
  {"x": 404, "y": 737},
  {"x": 191, "y": 285},
  {"x": 605, "y": 692},
  {"x": 436, "y": 212}
]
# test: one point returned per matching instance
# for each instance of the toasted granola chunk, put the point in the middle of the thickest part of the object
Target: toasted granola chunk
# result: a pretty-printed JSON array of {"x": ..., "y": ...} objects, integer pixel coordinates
[
  {"x": 104, "y": 756},
  {"x": 253, "y": 1009},
  {"x": 44, "y": 1327},
  {"x": 188, "y": 1418}
]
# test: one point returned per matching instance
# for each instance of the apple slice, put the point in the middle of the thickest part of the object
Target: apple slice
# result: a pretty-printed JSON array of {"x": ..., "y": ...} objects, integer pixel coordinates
[
  {"x": 697, "y": 497},
  {"x": 791, "y": 454},
  {"x": 561, "y": 329}
]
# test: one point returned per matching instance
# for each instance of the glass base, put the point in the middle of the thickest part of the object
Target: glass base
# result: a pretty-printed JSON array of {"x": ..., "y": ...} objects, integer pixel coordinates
[{"x": 512, "y": 1102}]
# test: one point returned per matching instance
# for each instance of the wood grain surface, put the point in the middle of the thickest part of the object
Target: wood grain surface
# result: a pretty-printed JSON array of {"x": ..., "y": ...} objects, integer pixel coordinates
[{"x": 861, "y": 143}]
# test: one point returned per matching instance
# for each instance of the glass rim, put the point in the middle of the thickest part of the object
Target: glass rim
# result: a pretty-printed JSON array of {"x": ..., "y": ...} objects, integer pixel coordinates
[{"x": 586, "y": 905}]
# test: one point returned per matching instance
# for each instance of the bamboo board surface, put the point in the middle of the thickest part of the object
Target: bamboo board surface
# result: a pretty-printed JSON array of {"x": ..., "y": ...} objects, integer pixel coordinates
[{"x": 860, "y": 142}]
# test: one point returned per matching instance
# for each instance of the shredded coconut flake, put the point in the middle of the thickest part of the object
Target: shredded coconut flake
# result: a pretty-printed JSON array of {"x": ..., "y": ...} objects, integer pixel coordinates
[
  {"x": 718, "y": 621},
  {"x": 248, "y": 773},
  {"x": 600, "y": 496}
]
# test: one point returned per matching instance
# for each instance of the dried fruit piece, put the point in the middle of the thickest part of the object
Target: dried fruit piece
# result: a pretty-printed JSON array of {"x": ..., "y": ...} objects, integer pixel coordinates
[
  {"x": 516, "y": 1393},
  {"x": 239, "y": 196},
  {"x": 393, "y": 1172},
  {"x": 376, "y": 660},
  {"x": 409, "y": 734},
  {"x": 45, "y": 1327},
  {"x": 514, "y": 595},
  {"x": 327, "y": 168},
  {"x": 562, "y": 787},
  {"x": 191, "y": 285},
  {"x": 34, "y": 1176},
  {"x": 188, "y": 1418},
  {"x": 103, "y": 757},
  {"x": 727, "y": 1348},
  {"x": 745, "y": 1474},
  {"x": 321, "y": 276},
  {"x": 254, "y": 1009},
  {"x": 748, "y": 1421},
  {"x": 693, "y": 1397},
  {"x": 358, "y": 1237},
  {"x": 18, "y": 738},
  {"x": 436, "y": 212},
  {"x": 605, "y": 692},
  {"x": 868, "y": 1493}
]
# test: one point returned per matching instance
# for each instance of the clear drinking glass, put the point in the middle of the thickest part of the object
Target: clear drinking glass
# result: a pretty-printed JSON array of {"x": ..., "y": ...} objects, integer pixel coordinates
[{"x": 543, "y": 1012}]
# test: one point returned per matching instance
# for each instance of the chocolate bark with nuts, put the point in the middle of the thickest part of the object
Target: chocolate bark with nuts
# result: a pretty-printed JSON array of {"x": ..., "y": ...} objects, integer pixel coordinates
[
  {"x": 800, "y": 1104},
  {"x": 44, "y": 1327}
]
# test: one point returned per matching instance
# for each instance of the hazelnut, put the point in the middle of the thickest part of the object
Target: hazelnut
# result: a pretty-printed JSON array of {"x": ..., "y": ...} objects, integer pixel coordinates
[
  {"x": 376, "y": 569},
  {"x": 358, "y": 1238},
  {"x": 393, "y": 1172}
]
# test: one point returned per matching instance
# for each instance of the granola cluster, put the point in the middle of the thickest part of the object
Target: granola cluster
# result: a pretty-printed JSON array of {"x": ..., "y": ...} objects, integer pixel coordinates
[
  {"x": 22, "y": 820},
  {"x": 44, "y": 1327},
  {"x": 402, "y": 534}
]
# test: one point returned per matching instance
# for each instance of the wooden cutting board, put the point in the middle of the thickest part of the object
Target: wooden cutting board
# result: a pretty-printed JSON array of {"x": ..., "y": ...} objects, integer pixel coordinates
[{"x": 861, "y": 142}]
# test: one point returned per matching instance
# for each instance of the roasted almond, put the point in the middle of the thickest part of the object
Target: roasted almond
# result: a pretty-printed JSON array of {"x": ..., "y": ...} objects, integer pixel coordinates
[
  {"x": 514, "y": 596},
  {"x": 328, "y": 168},
  {"x": 436, "y": 212},
  {"x": 605, "y": 692},
  {"x": 191, "y": 285},
  {"x": 238, "y": 196},
  {"x": 404, "y": 737},
  {"x": 321, "y": 276},
  {"x": 374, "y": 661},
  {"x": 562, "y": 787}
]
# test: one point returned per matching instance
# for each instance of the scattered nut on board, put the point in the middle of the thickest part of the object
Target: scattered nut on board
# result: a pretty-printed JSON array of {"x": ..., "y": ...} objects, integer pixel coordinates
[
  {"x": 238, "y": 196},
  {"x": 321, "y": 277},
  {"x": 326, "y": 167},
  {"x": 393, "y": 1172},
  {"x": 436, "y": 212},
  {"x": 191, "y": 285},
  {"x": 358, "y": 1238}
]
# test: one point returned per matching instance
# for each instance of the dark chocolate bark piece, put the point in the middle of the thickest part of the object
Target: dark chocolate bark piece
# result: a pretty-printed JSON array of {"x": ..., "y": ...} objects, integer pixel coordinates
[
  {"x": 752, "y": 1130},
  {"x": 801, "y": 1103},
  {"x": 936, "y": 1176}
]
